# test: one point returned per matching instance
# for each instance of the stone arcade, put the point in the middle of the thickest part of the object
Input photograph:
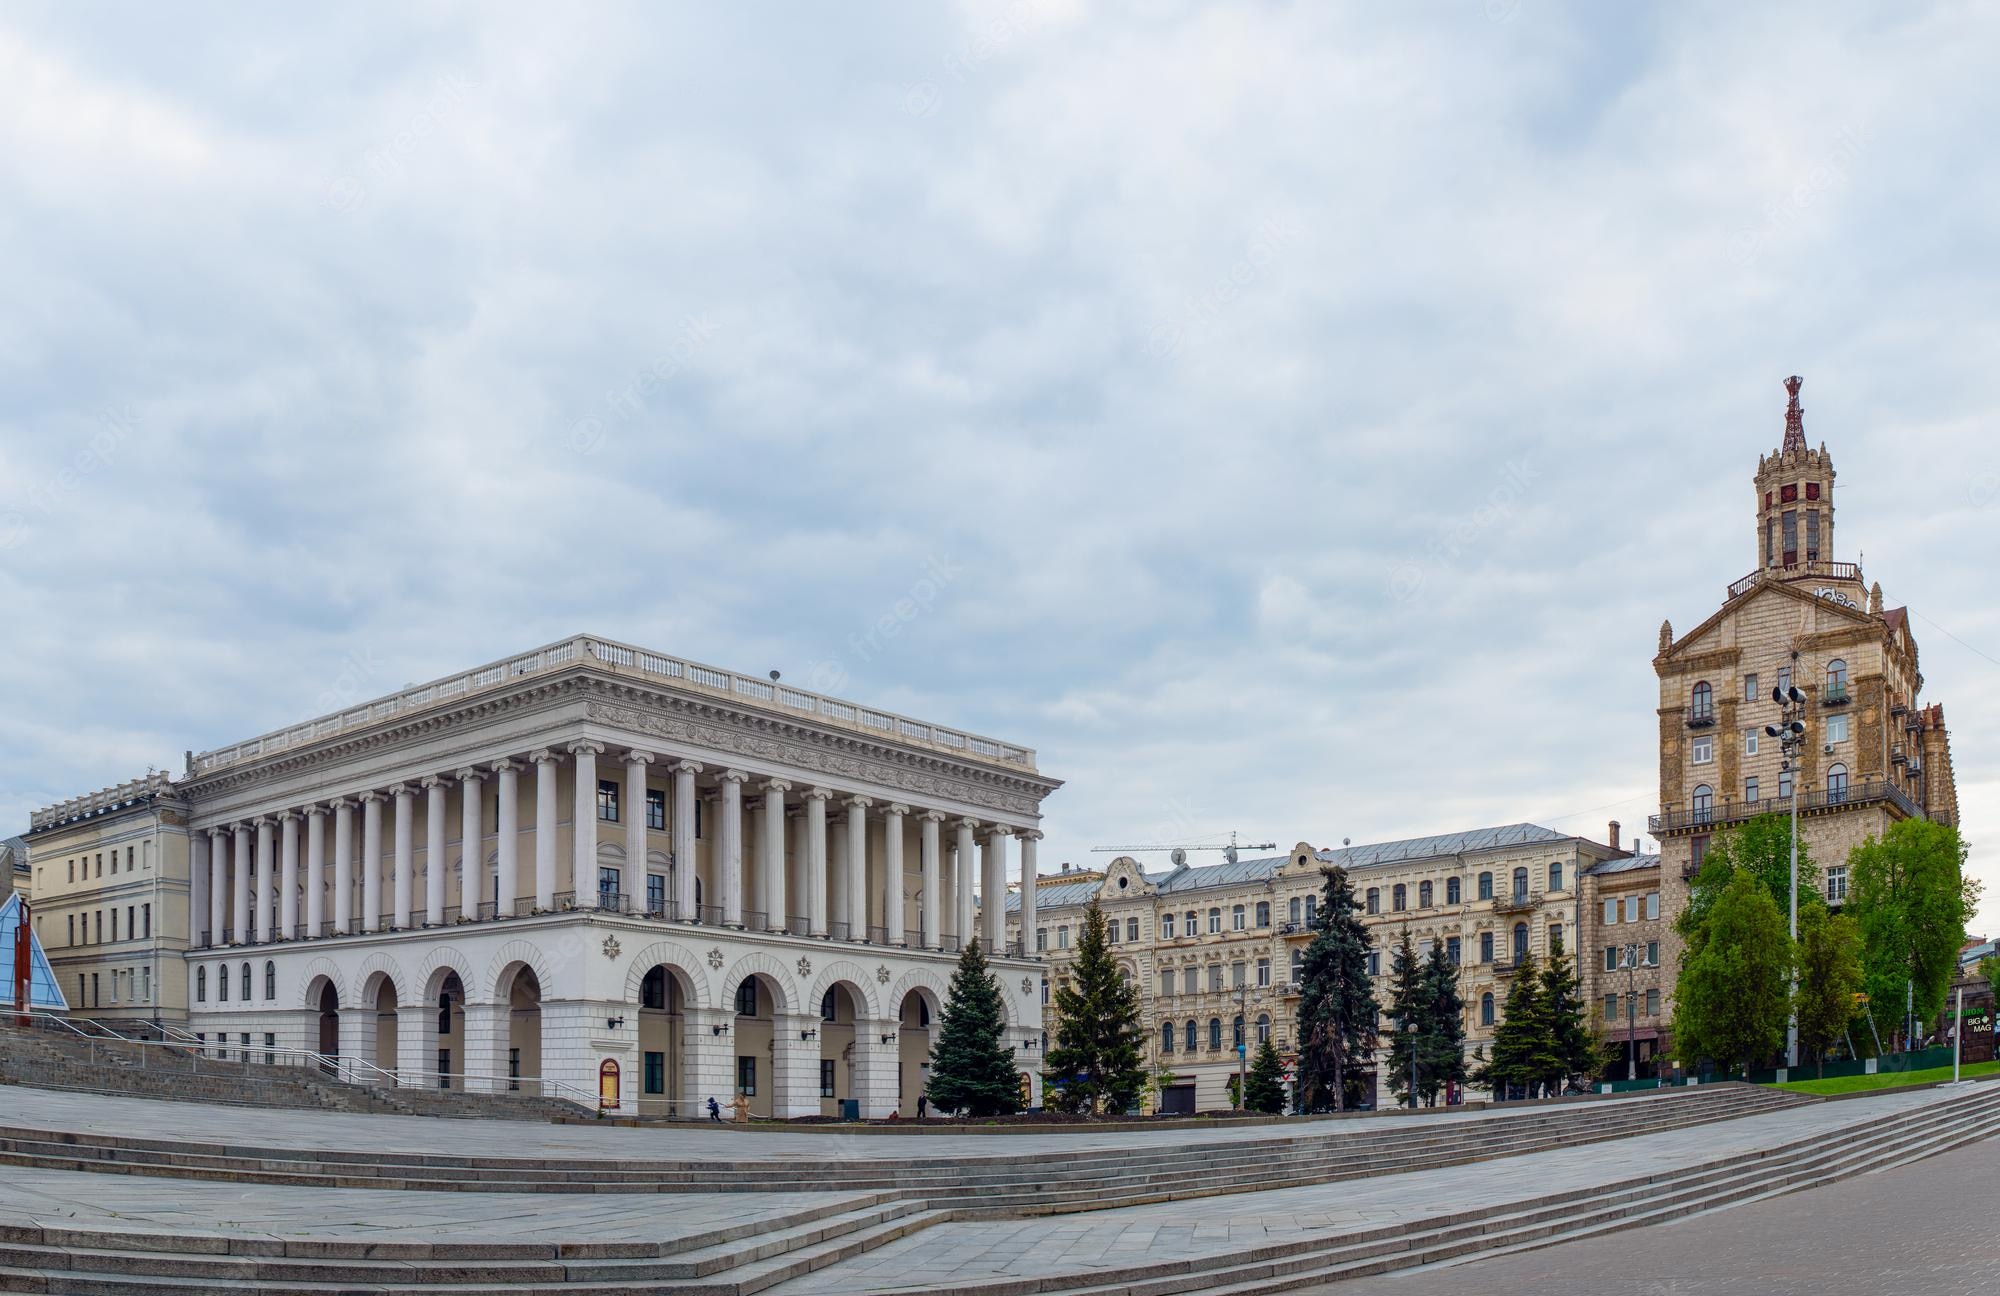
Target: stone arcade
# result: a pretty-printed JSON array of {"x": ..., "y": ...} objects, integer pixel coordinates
[{"x": 685, "y": 883}]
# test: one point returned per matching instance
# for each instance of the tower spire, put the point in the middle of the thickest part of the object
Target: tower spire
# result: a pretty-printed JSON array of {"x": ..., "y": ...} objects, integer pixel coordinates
[{"x": 1795, "y": 418}]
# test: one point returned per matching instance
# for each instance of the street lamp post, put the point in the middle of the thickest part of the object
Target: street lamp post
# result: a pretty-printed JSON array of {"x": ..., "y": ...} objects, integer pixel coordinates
[
  {"x": 1243, "y": 1039},
  {"x": 1632, "y": 1011},
  {"x": 1790, "y": 731},
  {"x": 1415, "y": 1039}
]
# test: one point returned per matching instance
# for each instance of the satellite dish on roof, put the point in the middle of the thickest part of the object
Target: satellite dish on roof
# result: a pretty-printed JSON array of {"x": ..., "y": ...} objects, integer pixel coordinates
[{"x": 1179, "y": 857}]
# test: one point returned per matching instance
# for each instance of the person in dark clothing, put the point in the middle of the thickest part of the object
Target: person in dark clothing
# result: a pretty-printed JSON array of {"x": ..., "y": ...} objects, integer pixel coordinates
[{"x": 715, "y": 1111}]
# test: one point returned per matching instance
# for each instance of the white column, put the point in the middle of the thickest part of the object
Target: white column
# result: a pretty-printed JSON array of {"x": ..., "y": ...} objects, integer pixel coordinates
[
  {"x": 435, "y": 806},
  {"x": 545, "y": 829},
  {"x": 218, "y": 885},
  {"x": 961, "y": 883},
  {"x": 197, "y": 888},
  {"x": 1028, "y": 836},
  {"x": 892, "y": 872},
  {"x": 730, "y": 837},
  {"x": 406, "y": 851},
  {"x": 836, "y": 879},
  {"x": 288, "y": 876},
  {"x": 471, "y": 855},
  {"x": 239, "y": 885},
  {"x": 684, "y": 862},
  {"x": 993, "y": 895},
  {"x": 634, "y": 811},
  {"x": 262, "y": 891},
  {"x": 315, "y": 881},
  {"x": 583, "y": 821},
  {"x": 507, "y": 864},
  {"x": 816, "y": 878},
  {"x": 857, "y": 868},
  {"x": 932, "y": 876},
  {"x": 773, "y": 842},
  {"x": 343, "y": 866},
  {"x": 371, "y": 861}
]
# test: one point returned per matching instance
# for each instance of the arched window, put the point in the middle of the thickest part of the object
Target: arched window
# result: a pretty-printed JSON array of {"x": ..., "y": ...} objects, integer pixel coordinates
[
  {"x": 1836, "y": 783},
  {"x": 1263, "y": 1028},
  {"x": 1236, "y": 1031},
  {"x": 1486, "y": 947},
  {"x": 1166, "y": 1037},
  {"x": 201, "y": 985},
  {"x": 1215, "y": 1034},
  {"x": 1704, "y": 803},
  {"x": 1193, "y": 923},
  {"x": 1374, "y": 900},
  {"x": 1263, "y": 913},
  {"x": 1166, "y": 926},
  {"x": 1424, "y": 895},
  {"x": 1400, "y": 898},
  {"x": 1520, "y": 885},
  {"x": 1192, "y": 1035},
  {"x": 1520, "y": 941},
  {"x": 1131, "y": 930},
  {"x": 1703, "y": 705},
  {"x": 1453, "y": 892},
  {"x": 1485, "y": 886},
  {"x": 1836, "y": 678},
  {"x": 222, "y": 982},
  {"x": 1311, "y": 907},
  {"x": 270, "y": 980},
  {"x": 1111, "y": 932},
  {"x": 1215, "y": 920},
  {"x": 246, "y": 983},
  {"x": 1237, "y": 914},
  {"x": 1293, "y": 910},
  {"x": 1486, "y": 1009}
]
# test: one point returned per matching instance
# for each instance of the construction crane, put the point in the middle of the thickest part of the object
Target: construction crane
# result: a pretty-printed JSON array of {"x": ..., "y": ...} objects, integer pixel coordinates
[{"x": 1179, "y": 854}]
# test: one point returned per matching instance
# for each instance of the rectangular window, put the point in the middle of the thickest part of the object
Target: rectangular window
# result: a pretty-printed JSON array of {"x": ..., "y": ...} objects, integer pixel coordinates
[
  {"x": 1784, "y": 679},
  {"x": 1631, "y": 909},
  {"x": 1789, "y": 528},
  {"x": 746, "y": 1076},
  {"x": 1131, "y": 930},
  {"x": 1653, "y": 906},
  {"x": 1812, "y": 535},
  {"x": 1556, "y": 876},
  {"x": 607, "y": 886},
  {"x": 655, "y": 1081},
  {"x": 1167, "y": 983},
  {"x": 826, "y": 1078},
  {"x": 1263, "y": 972},
  {"x": 1611, "y": 1007},
  {"x": 1236, "y": 918},
  {"x": 607, "y": 800},
  {"x": 1452, "y": 949},
  {"x": 1214, "y": 922},
  {"x": 1836, "y": 884},
  {"x": 1215, "y": 976},
  {"x": 1704, "y": 749},
  {"x": 1111, "y": 932},
  {"x": 1750, "y": 788},
  {"x": 1750, "y": 742},
  {"x": 1698, "y": 850},
  {"x": 1611, "y": 911},
  {"x": 1374, "y": 963},
  {"x": 656, "y": 893},
  {"x": 656, "y": 809},
  {"x": 1653, "y": 953},
  {"x": 147, "y": 912},
  {"x": 1166, "y": 926},
  {"x": 1555, "y": 935},
  {"x": 1836, "y": 728},
  {"x": 1062, "y": 938},
  {"x": 270, "y": 1048},
  {"x": 1190, "y": 980},
  {"x": 1041, "y": 940},
  {"x": 1610, "y": 958},
  {"x": 1784, "y": 783},
  {"x": 1237, "y": 971},
  {"x": 1749, "y": 688},
  {"x": 1652, "y": 1003}
]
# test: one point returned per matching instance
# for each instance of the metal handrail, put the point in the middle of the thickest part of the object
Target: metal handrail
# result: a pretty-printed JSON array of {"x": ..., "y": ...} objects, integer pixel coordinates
[{"x": 1854, "y": 793}]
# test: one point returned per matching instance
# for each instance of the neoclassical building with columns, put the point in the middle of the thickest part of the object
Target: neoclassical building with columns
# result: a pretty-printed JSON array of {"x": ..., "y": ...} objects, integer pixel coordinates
[{"x": 594, "y": 869}]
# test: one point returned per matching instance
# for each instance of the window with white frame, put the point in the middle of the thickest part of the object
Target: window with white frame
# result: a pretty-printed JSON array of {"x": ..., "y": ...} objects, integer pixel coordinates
[
  {"x": 1750, "y": 737},
  {"x": 1611, "y": 911},
  {"x": 1631, "y": 909},
  {"x": 1836, "y": 728},
  {"x": 1704, "y": 749},
  {"x": 1653, "y": 906},
  {"x": 1836, "y": 884},
  {"x": 1166, "y": 926}
]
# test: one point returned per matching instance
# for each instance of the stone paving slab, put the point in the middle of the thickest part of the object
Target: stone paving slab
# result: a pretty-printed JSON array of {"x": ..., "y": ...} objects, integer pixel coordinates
[
  {"x": 141, "y": 1204},
  {"x": 148, "y": 1118},
  {"x": 950, "y": 1254}
]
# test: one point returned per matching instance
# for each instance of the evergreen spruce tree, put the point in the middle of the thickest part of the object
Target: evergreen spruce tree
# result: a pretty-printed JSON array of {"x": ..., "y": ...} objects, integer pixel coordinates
[
  {"x": 1264, "y": 1091},
  {"x": 1096, "y": 1062},
  {"x": 1443, "y": 1054},
  {"x": 1520, "y": 1041},
  {"x": 972, "y": 1072},
  {"x": 1571, "y": 1052},
  {"x": 1407, "y": 1008},
  {"x": 1337, "y": 1012}
]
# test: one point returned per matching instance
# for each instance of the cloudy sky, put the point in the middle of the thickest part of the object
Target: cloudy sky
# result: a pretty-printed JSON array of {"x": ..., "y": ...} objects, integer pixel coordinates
[{"x": 1292, "y": 418}]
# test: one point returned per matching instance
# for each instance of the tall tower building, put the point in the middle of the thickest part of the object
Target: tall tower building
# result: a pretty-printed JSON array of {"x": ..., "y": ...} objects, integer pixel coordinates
[{"x": 1876, "y": 753}]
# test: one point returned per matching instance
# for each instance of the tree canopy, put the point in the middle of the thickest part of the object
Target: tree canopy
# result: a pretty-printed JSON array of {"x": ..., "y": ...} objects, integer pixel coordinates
[
  {"x": 1762, "y": 848},
  {"x": 972, "y": 1072},
  {"x": 1829, "y": 955},
  {"x": 1096, "y": 1061},
  {"x": 1733, "y": 993},
  {"x": 1908, "y": 894},
  {"x": 1337, "y": 1010}
]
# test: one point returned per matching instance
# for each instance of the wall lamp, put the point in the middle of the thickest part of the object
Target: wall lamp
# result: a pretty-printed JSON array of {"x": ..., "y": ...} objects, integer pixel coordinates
[
  {"x": 890, "y": 1038},
  {"x": 717, "y": 1030},
  {"x": 808, "y": 1034},
  {"x": 614, "y": 1023}
]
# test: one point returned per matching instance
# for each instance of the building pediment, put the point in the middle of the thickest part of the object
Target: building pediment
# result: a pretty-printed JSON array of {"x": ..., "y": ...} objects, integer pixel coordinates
[{"x": 1706, "y": 645}]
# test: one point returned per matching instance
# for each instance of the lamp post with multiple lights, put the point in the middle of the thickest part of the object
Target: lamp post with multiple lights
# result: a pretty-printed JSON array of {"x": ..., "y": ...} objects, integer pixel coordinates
[{"x": 1790, "y": 731}]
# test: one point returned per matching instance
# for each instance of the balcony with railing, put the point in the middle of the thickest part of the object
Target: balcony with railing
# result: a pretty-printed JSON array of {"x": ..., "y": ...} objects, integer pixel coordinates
[
  {"x": 1513, "y": 902},
  {"x": 1810, "y": 569},
  {"x": 1701, "y": 717},
  {"x": 1868, "y": 792},
  {"x": 1835, "y": 695}
]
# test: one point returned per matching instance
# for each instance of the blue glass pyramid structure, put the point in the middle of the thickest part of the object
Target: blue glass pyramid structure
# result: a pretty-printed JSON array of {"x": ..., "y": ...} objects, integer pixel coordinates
[{"x": 43, "y": 992}]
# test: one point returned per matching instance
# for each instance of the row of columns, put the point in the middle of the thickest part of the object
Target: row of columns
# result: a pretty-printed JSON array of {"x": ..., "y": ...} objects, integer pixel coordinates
[{"x": 244, "y": 893}]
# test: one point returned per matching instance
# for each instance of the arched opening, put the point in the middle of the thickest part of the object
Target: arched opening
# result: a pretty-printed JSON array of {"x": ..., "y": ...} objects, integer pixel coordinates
[
  {"x": 916, "y": 1020},
  {"x": 450, "y": 1049},
  {"x": 383, "y": 1001},
  {"x": 329, "y": 1023},
  {"x": 524, "y": 1030},
  {"x": 754, "y": 1074},
  {"x": 1836, "y": 783},
  {"x": 836, "y": 1047},
  {"x": 664, "y": 996}
]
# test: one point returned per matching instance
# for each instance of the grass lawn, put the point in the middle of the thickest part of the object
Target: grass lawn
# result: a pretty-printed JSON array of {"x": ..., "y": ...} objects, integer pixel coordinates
[{"x": 1887, "y": 1080}]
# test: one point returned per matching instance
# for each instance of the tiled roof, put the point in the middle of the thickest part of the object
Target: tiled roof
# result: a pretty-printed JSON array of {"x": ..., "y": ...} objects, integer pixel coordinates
[
  {"x": 1629, "y": 864},
  {"x": 1061, "y": 894},
  {"x": 1416, "y": 848}
]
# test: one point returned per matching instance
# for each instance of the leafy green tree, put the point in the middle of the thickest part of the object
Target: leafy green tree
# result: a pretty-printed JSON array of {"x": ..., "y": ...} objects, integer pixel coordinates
[
  {"x": 1989, "y": 967},
  {"x": 1337, "y": 1011},
  {"x": 1571, "y": 1052},
  {"x": 1830, "y": 976},
  {"x": 1734, "y": 989},
  {"x": 1407, "y": 1008},
  {"x": 972, "y": 1072},
  {"x": 1910, "y": 897},
  {"x": 1264, "y": 1091},
  {"x": 1521, "y": 1053},
  {"x": 1762, "y": 848},
  {"x": 1444, "y": 1026},
  {"x": 1096, "y": 1062}
]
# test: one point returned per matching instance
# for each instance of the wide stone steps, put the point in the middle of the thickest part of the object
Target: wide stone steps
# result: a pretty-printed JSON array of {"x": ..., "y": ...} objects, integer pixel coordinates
[
  {"x": 1511, "y": 1227},
  {"x": 1016, "y": 1184}
]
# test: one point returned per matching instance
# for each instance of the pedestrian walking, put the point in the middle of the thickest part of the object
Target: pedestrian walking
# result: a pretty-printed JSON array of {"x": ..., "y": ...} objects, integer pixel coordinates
[{"x": 714, "y": 1110}]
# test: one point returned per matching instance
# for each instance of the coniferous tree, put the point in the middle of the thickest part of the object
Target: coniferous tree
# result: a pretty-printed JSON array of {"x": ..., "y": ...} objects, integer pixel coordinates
[
  {"x": 1520, "y": 1041},
  {"x": 1096, "y": 1061},
  {"x": 1407, "y": 1008},
  {"x": 1571, "y": 1052},
  {"x": 1443, "y": 1054},
  {"x": 1337, "y": 1011},
  {"x": 972, "y": 1072},
  {"x": 1264, "y": 1091}
]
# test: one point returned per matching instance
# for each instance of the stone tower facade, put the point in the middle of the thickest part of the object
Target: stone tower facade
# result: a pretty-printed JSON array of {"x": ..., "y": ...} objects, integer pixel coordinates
[{"x": 1794, "y": 495}]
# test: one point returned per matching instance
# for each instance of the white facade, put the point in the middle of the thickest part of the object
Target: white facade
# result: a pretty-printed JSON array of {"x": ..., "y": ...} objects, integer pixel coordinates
[{"x": 649, "y": 835}]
